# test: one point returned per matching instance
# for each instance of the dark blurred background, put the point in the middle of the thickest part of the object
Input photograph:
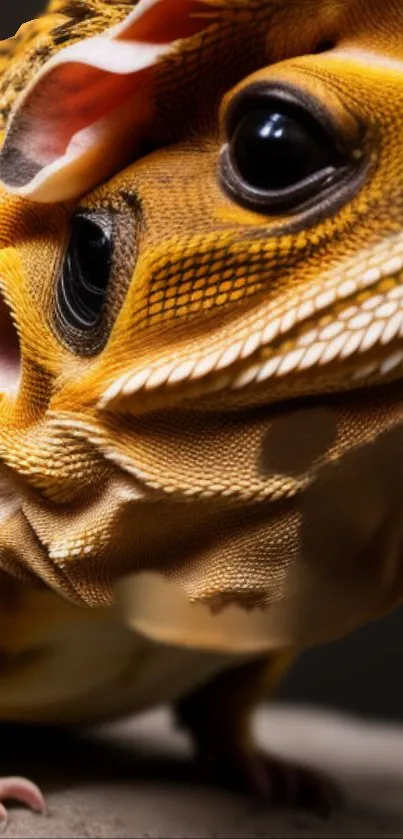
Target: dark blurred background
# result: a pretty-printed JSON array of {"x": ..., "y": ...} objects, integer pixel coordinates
[
  {"x": 363, "y": 673},
  {"x": 15, "y": 12}
]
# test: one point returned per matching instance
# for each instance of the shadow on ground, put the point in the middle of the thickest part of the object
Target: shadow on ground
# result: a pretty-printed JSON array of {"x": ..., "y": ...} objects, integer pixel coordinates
[{"x": 136, "y": 779}]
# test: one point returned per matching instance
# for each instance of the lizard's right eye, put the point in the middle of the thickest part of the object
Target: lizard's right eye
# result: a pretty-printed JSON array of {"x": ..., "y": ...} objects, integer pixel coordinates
[
  {"x": 282, "y": 151},
  {"x": 274, "y": 150}
]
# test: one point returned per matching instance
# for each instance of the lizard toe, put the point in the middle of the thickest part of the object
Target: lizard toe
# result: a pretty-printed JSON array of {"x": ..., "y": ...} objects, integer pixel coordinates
[
  {"x": 19, "y": 789},
  {"x": 272, "y": 782}
]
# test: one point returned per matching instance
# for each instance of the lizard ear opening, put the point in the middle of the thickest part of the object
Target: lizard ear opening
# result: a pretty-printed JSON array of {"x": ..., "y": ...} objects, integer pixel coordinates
[
  {"x": 84, "y": 114},
  {"x": 10, "y": 353}
]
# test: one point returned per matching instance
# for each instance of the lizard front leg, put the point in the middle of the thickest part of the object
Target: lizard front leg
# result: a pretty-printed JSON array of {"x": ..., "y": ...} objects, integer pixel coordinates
[{"x": 218, "y": 717}]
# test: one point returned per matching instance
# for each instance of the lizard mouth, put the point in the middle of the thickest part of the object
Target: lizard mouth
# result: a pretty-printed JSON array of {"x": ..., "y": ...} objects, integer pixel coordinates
[
  {"x": 10, "y": 351},
  {"x": 343, "y": 332}
]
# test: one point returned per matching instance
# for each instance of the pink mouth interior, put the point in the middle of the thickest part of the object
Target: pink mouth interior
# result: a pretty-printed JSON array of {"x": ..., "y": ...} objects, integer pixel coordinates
[{"x": 10, "y": 352}]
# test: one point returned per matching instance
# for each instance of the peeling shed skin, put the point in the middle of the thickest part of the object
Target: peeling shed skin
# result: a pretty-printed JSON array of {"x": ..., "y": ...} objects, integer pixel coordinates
[{"x": 200, "y": 441}]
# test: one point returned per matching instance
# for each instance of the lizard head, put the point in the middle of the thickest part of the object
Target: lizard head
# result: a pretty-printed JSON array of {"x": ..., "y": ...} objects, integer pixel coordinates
[{"x": 201, "y": 358}]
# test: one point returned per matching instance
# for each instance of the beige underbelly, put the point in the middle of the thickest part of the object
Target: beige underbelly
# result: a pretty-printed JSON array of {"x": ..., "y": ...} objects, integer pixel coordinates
[{"x": 62, "y": 664}]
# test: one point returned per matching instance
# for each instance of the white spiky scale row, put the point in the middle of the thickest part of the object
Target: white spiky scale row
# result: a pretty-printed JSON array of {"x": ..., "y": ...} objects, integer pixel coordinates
[
  {"x": 306, "y": 339},
  {"x": 325, "y": 299},
  {"x": 268, "y": 369},
  {"x": 371, "y": 336},
  {"x": 365, "y": 319},
  {"x": 393, "y": 327},
  {"x": 279, "y": 366},
  {"x": 331, "y": 331},
  {"x": 252, "y": 344},
  {"x": 229, "y": 356},
  {"x": 247, "y": 377},
  {"x": 271, "y": 332},
  {"x": 288, "y": 321},
  {"x": 352, "y": 344},
  {"x": 339, "y": 339},
  {"x": 388, "y": 309},
  {"x": 312, "y": 356},
  {"x": 396, "y": 293},
  {"x": 360, "y": 321},
  {"x": 372, "y": 303},
  {"x": 159, "y": 376},
  {"x": 349, "y": 313},
  {"x": 136, "y": 381},
  {"x": 205, "y": 365},
  {"x": 356, "y": 318},
  {"x": 355, "y": 332},
  {"x": 333, "y": 349},
  {"x": 372, "y": 275}
]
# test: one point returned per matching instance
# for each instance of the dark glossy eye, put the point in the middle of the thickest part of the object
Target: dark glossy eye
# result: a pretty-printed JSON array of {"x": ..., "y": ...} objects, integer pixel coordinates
[
  {"x": 282, "y": 151},
  {"x": 275, "y": 151},
  {"x": 84, "y": 279}
]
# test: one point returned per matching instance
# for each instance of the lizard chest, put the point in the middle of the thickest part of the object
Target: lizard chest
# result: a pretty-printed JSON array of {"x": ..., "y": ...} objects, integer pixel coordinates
[{"x": 66, "y": 665}]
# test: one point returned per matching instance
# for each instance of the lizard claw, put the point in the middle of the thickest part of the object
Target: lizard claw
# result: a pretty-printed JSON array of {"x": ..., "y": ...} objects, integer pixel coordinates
[
  {"x": 280, "y": 783},
  {"x": 273, "y": 782},
  {"x": 22, "y": 790}
]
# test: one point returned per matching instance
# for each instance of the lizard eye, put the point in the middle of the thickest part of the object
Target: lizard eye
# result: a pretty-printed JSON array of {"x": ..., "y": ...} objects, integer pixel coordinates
[
  {"x": 82, "y": 311},
  {"x": 281, "y": 152},
  {"x": 95, "y": 273},
  {"x": 84, "y": 278}
]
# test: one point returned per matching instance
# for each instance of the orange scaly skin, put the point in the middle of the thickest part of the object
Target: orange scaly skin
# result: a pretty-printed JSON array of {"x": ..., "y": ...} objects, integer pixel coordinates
[{"x": 230, "y": 437}]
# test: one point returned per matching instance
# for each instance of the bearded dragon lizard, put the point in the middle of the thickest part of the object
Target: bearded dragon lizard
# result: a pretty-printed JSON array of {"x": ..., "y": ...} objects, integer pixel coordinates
[{"x": 201, "y": 308}]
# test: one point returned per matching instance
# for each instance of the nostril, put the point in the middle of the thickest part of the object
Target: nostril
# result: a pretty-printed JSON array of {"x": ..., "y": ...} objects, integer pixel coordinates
[
  {"x": 324, "y": 46},
  {"x": 10, "y": 351}
]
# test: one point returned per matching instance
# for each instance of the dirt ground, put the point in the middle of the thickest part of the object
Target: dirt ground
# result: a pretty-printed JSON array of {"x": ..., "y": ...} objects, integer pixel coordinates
[{"x": 135, "y": 779}]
